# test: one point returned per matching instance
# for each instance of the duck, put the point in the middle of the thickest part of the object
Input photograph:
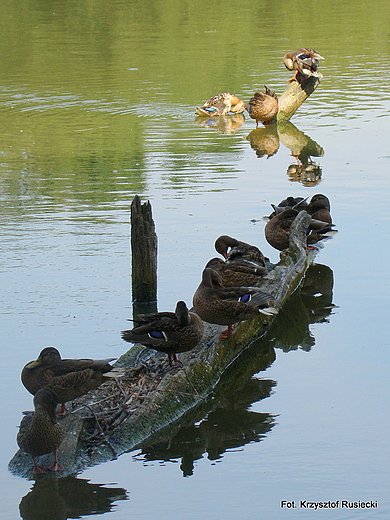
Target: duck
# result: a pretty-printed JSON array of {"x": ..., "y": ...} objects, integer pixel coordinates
[
  {"x": 289, "y": 203},
  {"x": 240, "y": 253},
  {"x": 221, "y": 305},
  {"x": 263, "y": 106},
  {"x": 168, "y": 332},
  {"x": 220, "y": 105},
  {"x": 234, "y": 274},
  {"x": 277, "y": 229},
  {"x": 69, "y": 378},
  {"x": 304, "y": 61},
  {"x": 39, "y": 433},
  {"x": 319, "y": 208}
]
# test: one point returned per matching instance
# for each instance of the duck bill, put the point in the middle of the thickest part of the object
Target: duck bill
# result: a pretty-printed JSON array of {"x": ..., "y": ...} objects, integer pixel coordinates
[{"x": 34, "y": 364}]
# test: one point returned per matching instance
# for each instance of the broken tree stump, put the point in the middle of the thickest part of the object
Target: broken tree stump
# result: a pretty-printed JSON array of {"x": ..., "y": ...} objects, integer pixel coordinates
[
  {"x": 143, "y": 253},
  {"x": 295, "y": 94}
]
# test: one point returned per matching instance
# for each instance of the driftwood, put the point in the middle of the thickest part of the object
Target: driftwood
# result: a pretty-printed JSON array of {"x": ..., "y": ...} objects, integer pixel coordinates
[
  {"x": 143, "y": 253},
  {"x": 152, "y": 400}
]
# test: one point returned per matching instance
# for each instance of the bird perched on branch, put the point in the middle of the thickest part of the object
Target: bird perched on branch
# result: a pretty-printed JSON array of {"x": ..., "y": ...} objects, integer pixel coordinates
[
  {"x": 39, "y": 433},
  {"x": 169, "y": 332},
  {"x": 304, "y": 61},
  {"x": 263, "y": 106},
  {"x": 240, "y": 253},
  {"x": 69, "y": 378},
  {"x": 228, "y": 305},
  {"x": 277, "y": 229}
]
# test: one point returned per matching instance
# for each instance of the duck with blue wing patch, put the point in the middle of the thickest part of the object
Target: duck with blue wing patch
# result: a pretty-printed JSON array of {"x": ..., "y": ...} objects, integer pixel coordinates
[
  {"x": 228, "y": 305},
  {"x": 168, "y": 332}
]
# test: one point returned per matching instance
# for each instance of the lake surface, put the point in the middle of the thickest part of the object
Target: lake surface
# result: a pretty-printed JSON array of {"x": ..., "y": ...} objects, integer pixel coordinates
[{"x": 97, "y": 104}]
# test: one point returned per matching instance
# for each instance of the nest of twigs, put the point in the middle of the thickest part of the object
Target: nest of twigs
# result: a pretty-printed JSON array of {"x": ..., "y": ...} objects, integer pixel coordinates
[{"x": 106, "y": 408}]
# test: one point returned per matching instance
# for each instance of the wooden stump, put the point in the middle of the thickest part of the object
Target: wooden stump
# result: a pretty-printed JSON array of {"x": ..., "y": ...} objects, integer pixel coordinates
[
  {"x": 143, "y": 253},
  {"x": 295, "y": 94}
]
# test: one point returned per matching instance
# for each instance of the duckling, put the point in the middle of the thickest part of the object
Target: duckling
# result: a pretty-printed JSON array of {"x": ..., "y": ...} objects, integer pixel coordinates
[
  {"x": 69, "y": 378},
  {"x": 263, "y": 106},
  {"x": 319, "y": 208},
  {"x": 238, "y": 252},
  {"x": 169, "y": 332},
  {"x": 220, "y": 105},
  {"x": 40, "y": 433},
  {"x": 277, "y": 229},
  {"x": 304, "y": 61},
  {"x": 228, "y": 305}
]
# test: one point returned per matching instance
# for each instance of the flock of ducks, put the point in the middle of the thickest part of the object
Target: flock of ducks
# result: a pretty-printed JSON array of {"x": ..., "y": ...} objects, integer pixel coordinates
[
  {"x": 228, "y": 293},
  {"x": 263, "y": 106}
]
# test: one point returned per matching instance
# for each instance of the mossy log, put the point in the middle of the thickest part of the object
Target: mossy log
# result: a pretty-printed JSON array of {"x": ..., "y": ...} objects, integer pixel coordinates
[
  {"x": 183, "y": 391},
  {"x": 295, "y": 94}
]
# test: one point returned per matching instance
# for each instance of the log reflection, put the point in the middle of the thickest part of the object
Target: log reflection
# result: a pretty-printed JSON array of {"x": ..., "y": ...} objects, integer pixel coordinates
[{"x": 225, "y": 423}]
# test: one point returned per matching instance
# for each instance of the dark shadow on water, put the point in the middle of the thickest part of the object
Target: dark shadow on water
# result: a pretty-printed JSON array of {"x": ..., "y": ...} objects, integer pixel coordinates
[
  {"x": 224, "y": 422},
  {"x": 68, "y": 497}
]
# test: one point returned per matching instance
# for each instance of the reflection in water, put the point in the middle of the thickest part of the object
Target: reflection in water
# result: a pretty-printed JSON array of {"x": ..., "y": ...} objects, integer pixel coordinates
[
  {"x": 266, "y": 141},
  {"x": 69, "y": 497},
  {"x": 230, "y": 425},
  {"x": 227, "y": 423},
  {"x": 222, "y": 124},
  {"x": 308, "y": 175},
  {"x": 312, "y": 303}
]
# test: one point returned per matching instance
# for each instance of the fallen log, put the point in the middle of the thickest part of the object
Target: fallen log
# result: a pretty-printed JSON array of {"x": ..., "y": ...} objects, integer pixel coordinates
[{"x": 121, "y": 416}]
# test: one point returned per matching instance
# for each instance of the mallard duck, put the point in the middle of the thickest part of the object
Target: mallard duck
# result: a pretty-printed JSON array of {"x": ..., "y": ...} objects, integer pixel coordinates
[
  {"x": 277, "y": 229},
  {"x": 169, "y": 332},
  {"x": 238, "y": 252},
  {"x": 220, "y": 105},
  {"x": 289, "y": 203},
  {"x": 234, "y": 274},
  {"x": 319, "y": 208},
  {"x": 69, "y": 378},
  {"x": 39, "y": 433},
  {"x": 228, "y": 305},
  {"x": 263, "y": 106},
  {"x": 304, "y": 61}
]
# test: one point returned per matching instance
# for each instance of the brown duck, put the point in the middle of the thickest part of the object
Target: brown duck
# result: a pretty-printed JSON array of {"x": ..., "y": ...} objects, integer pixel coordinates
[
  {"x": 319, "y": 208},
  {"x": 228, "y": 305},
  {"x": 234, "y": 274},
  {"x": 40, "y": 433},
  {"x": 221, "y": 105},
  {"x": 69, "y": 378},
  {"x": 169, "y": 332},
  {"x": 304, "y": 61},
  {"x": 277, "y": 229},
  {"x": 263, "y": 106},
  {"x": 240, "y": 253}
]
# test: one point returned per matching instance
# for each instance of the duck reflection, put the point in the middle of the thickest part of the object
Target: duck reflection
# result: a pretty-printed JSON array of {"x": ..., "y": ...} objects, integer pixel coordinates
[
  {"x": 312, "y": 303},
  {"x": 226, "y": 124},
  {"x": 225, "y": 423},
  {"x": 68, "y": 497},
  {"x": 229, "y": 426},
  {"x": 266, "y": 141}
]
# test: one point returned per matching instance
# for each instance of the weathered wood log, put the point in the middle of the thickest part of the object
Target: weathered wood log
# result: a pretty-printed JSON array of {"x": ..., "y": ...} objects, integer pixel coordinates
[
  {"x": 183, "y": 390},
  {"x": 295, "y": 94},
  {"x": 143, "y": 253}
]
